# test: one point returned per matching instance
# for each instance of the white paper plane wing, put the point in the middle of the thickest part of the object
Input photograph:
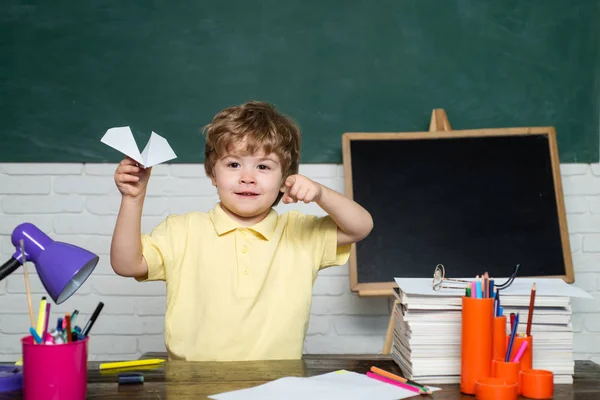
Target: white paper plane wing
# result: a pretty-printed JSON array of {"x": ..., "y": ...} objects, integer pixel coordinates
[
  {"x": 157, "y": 151},
  {"x": 122, "y": 139}
]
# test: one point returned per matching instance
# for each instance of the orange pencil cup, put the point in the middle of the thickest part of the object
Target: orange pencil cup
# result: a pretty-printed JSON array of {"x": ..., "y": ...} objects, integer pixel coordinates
[
  {"x": 499, "y": 342},
  {"x": 495, "y": 389},
  {"x": 476, "y": 342},
  {"x": 527, "y": 358},
  {"x": 508, "y": 371},
  {"x": 537, "y": 384}
]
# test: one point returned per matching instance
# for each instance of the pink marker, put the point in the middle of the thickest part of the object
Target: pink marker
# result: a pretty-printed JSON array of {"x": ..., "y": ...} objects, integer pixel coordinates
[
  {"x": 46, "y": 319},
  {"x": 473, "y": 289},
  {"x": 395, "y": 383},
  {"x": 521, "y": 351}
]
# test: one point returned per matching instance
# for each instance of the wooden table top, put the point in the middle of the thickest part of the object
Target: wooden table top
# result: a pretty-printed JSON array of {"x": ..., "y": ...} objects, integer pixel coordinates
[{"x": 197, "y": 380}]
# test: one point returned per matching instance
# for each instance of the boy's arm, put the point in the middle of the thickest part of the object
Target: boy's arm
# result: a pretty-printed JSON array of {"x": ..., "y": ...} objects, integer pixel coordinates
[
  {"x": 353, "y": 221},
  {"x": 126, "y": 247}
]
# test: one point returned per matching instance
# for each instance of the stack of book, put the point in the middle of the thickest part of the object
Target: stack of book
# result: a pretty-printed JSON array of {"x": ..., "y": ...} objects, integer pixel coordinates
[{"x": 427, "y": 328}]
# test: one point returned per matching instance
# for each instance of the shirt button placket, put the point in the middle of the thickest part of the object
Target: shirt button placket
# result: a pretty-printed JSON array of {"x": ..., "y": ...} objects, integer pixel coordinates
[{"x": 244, "y": 251}]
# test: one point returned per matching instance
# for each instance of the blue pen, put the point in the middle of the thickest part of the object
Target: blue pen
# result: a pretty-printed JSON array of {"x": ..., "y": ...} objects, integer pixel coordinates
[
  {"x": 478, "y": 289},
  {"x": 496, "y": 308},
  {"x": 35, "y": 335},
  {"x": 492, "y": 293},
  {"x": 512, "y": 339}
]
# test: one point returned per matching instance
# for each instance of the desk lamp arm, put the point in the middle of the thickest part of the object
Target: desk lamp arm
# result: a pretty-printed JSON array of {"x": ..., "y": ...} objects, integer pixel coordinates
[{"x": 9, "y": 267}]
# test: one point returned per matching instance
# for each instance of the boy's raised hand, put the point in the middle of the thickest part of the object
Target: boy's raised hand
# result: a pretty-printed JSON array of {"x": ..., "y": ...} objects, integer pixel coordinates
[
  {"x": 131, "y": 179},
  {"x": 300, "y": 188}
]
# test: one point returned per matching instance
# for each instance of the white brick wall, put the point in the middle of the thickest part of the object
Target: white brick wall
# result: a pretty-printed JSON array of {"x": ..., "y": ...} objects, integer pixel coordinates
[{"x": 77, "y": 203}]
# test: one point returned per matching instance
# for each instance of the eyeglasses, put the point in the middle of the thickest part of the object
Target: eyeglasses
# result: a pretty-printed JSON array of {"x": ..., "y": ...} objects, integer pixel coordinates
[{"x": 440, "y": 281}]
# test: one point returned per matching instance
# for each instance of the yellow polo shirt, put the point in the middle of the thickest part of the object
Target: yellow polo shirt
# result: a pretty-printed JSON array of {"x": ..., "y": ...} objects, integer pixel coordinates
[{"x": 235, "y": 292}]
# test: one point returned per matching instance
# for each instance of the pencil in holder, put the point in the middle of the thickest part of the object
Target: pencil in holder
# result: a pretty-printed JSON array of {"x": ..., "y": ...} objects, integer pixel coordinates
[
  {"x": 476, "y": 342},
  {"x": 499, "y": 339},
  {"x": 527, "y": 358}
]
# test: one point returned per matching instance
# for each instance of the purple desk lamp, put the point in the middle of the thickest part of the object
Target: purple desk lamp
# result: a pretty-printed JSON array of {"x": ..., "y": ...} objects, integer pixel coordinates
[{"x": 62, "y": 267}]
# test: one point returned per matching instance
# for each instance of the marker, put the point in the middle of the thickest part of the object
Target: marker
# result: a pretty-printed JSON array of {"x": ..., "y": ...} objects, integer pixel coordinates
[
  {"x": 530, "y": 314},
  {"x": 41, "y": 315},
  {"x": 90, "y": 323},
  {"x": 68, "y": 328},
  {"x": 512, "y": 339},
  {"x": 36, "y": 337},
  {"x": 395, "y": 377},
  {"x": 134, "y": 363},
  {"x": 395, "y": 383},
  {"x": 131, "y": 377},
  {"x": 478, "y": 288},
  {"x": 46, "y": 319},
  {"x": 74, "y": 315},
  {"x": 521, "y": 351}
]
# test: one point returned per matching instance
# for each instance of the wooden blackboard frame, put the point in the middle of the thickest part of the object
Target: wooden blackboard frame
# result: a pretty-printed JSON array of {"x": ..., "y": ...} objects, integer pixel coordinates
[{"x": 386, "y": 288}]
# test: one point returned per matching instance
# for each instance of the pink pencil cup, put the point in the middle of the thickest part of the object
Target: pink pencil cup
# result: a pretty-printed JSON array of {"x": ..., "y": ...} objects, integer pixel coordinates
[{"x": 54, "y": 372}]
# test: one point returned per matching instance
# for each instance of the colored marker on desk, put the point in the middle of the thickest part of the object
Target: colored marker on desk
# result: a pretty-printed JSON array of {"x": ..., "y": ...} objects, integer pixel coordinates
[
  {"x": 92, "y": 320},
  {"x": 36, "y": 338},
  {"x": 395, "y": 377},
  {"x": 521, "y": 351},
  {"x": 132, "y": 377},
  {"x": 478, "y": 288},
  {"x": 68, "y": 328},
  {"x": 134, "y": 363},
  {"x": 396, "y": 383},
  {"x": 41, "y": 315},
  {"x": 511, "y": 341}
]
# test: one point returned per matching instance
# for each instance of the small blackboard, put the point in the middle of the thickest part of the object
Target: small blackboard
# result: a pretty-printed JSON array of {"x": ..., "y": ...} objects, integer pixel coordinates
[{"x": 472, "y": 200}]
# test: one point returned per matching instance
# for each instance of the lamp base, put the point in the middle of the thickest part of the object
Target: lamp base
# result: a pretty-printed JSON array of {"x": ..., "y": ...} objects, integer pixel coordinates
[{"x": 11, "y": 378}]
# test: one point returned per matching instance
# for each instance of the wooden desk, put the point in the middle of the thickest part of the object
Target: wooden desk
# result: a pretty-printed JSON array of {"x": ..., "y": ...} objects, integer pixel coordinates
[{"x": 196, "y": 380}]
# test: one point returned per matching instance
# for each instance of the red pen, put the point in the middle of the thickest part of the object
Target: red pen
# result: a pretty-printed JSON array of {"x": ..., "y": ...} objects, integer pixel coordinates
[
  {"x": 68, "y": 319},
  {"x": 512, "y": 321}
]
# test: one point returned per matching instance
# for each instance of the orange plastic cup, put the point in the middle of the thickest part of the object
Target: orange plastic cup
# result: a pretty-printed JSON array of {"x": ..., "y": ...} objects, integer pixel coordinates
[
  {"x": 537, "y": 384},
  {"x": 499, "y": 341},
  {"x": 509, "y": 371},
  {"x": 527, "y": 359},
  {"x": 496, "y": 389},
  {"x": 476, "y": 342}
]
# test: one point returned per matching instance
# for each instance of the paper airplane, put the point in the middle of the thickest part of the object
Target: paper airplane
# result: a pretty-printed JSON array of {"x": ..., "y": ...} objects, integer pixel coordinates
[{"x": 157, "y": 149}]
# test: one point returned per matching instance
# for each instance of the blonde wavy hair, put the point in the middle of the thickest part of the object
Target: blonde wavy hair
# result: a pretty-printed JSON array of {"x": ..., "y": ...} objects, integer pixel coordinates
[{"x": 261, "y": 127}]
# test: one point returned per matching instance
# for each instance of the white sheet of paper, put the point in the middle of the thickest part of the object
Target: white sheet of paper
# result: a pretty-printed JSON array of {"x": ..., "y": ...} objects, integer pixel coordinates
[
  {"x": 342, "y": 385},
  {"x": 157, "y": 149},
  {"x": 520, "y": 286}
]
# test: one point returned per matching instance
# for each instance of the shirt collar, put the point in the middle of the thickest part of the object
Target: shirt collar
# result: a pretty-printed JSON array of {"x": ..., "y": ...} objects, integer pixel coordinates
[{"x": 223, "y": 223}]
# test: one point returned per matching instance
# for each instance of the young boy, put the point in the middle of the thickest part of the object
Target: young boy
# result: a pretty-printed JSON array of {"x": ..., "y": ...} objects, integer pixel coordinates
[{"x": 239, "y": 278}]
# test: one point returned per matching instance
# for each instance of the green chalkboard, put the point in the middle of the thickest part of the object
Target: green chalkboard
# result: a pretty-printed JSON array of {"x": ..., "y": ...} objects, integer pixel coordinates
[{"x": 70, "y": 70}]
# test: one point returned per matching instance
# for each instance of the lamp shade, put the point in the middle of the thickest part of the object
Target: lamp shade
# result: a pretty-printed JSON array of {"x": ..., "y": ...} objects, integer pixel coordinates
[{"x": 62, "y": 267}]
